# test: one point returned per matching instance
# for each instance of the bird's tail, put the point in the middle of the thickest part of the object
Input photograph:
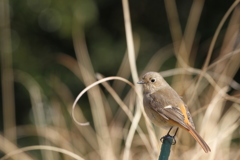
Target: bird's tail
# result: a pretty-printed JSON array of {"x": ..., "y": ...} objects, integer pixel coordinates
[{"x": 199, "y": 139}]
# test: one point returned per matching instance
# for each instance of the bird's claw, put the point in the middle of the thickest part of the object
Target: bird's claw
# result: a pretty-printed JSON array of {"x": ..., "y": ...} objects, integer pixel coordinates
[{"x": 168, "y": 135}]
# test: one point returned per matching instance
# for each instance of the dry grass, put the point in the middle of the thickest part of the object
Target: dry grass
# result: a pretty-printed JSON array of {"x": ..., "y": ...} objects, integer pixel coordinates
[{"x": 127, "y": 133}]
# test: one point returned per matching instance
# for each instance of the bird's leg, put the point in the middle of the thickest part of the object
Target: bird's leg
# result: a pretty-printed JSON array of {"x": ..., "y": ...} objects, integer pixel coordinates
[
  {"x": 175, "y": 132},
  {"x": 174, "y": 140},
  {"x": 168, "y": 135}
]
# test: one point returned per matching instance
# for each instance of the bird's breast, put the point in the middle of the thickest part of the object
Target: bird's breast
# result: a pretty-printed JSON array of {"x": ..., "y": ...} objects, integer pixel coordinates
[{"x": 156, "y": 118}]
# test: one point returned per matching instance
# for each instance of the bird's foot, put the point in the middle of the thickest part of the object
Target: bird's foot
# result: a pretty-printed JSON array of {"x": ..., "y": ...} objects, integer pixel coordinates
[{"x": 169, "y": 136}]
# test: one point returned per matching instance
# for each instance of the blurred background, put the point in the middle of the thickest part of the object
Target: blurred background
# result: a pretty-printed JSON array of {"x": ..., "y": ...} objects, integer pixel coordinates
[{"x": 51, "y": 50}]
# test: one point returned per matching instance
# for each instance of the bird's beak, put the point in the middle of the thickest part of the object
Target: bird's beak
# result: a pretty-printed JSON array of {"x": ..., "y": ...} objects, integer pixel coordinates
[{"x": 141, "y": 82}]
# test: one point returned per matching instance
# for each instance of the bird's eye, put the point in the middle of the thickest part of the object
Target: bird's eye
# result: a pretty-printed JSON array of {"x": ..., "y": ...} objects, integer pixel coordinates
[{"x": 153, "y": 80}]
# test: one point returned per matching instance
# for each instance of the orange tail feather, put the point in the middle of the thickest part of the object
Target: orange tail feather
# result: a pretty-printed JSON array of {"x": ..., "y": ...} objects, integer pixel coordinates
[{"x": 199, "y": 139}]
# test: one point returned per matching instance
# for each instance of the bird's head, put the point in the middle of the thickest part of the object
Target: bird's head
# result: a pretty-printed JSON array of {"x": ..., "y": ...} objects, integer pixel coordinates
[{"x": 152, "y": 82}]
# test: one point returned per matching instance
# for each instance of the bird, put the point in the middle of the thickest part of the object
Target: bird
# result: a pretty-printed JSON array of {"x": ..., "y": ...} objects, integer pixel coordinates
[{"x": 165, "y": 108}]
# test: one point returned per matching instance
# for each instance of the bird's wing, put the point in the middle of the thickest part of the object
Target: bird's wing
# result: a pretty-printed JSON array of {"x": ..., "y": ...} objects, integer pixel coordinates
[
  {"x": 170, "y": 108},
  {"x": 190, "y": 117}
]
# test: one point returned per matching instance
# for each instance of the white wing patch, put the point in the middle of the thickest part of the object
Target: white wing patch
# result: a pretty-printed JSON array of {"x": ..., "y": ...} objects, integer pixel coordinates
[{"x": 168, "y": 107}]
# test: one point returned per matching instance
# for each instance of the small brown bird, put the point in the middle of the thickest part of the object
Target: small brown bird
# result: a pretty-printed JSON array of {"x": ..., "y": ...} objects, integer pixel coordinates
[{"x": 165, "y": 108}]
